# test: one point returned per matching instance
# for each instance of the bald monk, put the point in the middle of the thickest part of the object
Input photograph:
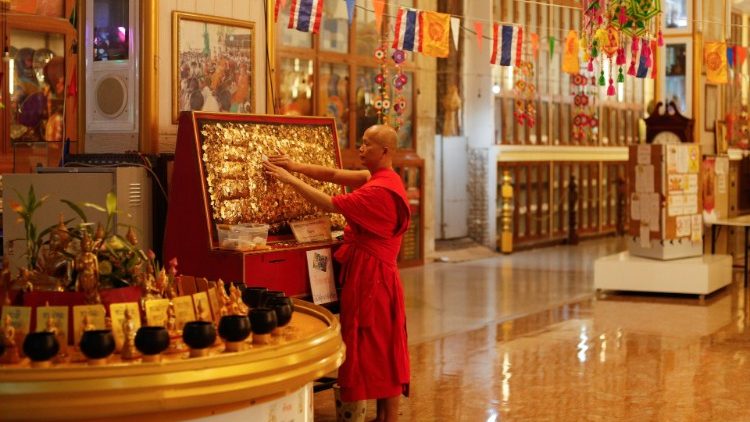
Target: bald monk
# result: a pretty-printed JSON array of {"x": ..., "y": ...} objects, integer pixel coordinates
[{"x": 373, "y": 321}]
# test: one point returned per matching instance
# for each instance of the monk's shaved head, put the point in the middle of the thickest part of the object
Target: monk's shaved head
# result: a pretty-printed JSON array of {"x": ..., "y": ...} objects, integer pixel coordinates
[{"x": 385, "y": 136}]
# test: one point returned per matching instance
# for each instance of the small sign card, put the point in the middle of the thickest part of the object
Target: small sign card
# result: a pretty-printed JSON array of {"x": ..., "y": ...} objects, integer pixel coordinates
[
  {"x": 95, "y": 313},
  {"x": 183, "y": 310},
  {"x": 53, "y": 317},
  {"x": 317, "y": 230},
  {"x": 20, "y": 317},
  {"x": 202, "y": 307},
  {"x": 156, "y": 311},
  {"x": 320, "y": 268}
]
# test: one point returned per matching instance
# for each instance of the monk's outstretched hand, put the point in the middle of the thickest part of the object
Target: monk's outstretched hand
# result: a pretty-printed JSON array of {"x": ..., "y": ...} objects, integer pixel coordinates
[
  {"x": 277, "y": 172},
  {"x": 282, "y": 160}
]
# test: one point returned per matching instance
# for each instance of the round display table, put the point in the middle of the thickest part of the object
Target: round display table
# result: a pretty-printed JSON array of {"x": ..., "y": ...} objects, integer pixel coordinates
[{"x": 267, "y": 382}]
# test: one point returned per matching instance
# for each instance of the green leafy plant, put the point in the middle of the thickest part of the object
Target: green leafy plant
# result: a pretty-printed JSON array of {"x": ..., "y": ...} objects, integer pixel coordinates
[{"x": 34, "y": 238}]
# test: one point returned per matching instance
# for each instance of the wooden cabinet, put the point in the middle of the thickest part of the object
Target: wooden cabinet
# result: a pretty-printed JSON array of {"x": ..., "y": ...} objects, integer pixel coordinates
[
  {"x": 38, "y": 41},
  {"x": 541, "y": 199}
]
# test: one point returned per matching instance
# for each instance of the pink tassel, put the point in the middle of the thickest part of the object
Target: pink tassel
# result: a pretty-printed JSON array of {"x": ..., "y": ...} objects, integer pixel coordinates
[
  {"x": 621, "y": 56},
  {"x": 631, "y": 69},
  {"x": 622, "y": 18},
  {"x": 646, "y": 50},
  {"x": 611, "y": 89},
  {"x": 660, "y": 39},
  {"x": 591, "y": 65},
  {"x": 634, "y": 46}
]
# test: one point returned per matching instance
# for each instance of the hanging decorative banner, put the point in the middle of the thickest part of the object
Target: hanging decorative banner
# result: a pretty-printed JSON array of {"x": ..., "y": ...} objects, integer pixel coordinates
[
  {"x": 551, "y": 41},
  {"x": 349, "y": 10},
  {"x": 741, "y": 53},
  {"x": 379, "y": 6},
  {"x": 305, "y": 15},
  {"x": 278, "y": 6},
  {"x": 535, "y": 45},
  {"x": 455, "y": 26},
  {"x": 435, "y": 33},
  {"x": 479, "y": 33},
  {"x": 505, "y": 42},
  {"x": 584, "y": 119},
  {"x": 715, "y": 58},
  {"x": 570, "y": 62},
  {"x": 730, "y": 57},
  {"x": 525, "y": 93},
  {"x": 399, "y": 81},
  {"x": 407, "y": 30}
]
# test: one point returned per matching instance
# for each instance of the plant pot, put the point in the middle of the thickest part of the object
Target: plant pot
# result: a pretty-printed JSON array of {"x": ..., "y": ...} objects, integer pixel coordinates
[
  {"x": 151, "y": 341},
  {"x": 40, "y": 347},
  {"x": 97, "y": 345}
]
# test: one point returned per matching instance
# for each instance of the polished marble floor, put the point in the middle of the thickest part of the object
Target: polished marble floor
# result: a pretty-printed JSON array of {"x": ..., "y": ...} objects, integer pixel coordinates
[{"x": 523, "y": 337}]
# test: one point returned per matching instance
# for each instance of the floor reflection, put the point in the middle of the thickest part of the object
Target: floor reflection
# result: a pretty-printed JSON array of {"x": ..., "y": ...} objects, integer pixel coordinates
[{"x": 522, "y": 337}]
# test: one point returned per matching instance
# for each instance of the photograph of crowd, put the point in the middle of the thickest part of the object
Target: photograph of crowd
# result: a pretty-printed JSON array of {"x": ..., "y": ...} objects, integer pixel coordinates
[{"x": 213, "y": 64}]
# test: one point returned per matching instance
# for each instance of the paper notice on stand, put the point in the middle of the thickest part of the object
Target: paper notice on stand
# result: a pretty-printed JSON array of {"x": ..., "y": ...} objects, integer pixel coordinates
[
  {"x": 676, "y": 205},
  {"x": 644, "y": 154},
  {"x": 650, "y": 211},
  {"x": 692, "y": 183},
  {"x": 317, "y": 230},
  {"x": 697, "y": 228},
  {"x": 644, "y": 178},
  {"x": 320, "y": 268},
  {"x": 156, "y": 311},
  {"x": 95, "y": 315},
  {"x": 20, "y": 317},
  {"x": 635, "y": 207},
  {"x": 644, "y": 239},
  {"x": 691, "y": 204},
  {"x": 58, "y": 315},
  {"x": 671, "y": 159},
  {"x": 683, "y": 226},
  {"x": 683, "y": 160}
]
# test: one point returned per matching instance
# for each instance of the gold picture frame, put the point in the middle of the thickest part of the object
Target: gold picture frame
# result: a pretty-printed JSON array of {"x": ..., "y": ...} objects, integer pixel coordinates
[{"x": 213, "y": 64}]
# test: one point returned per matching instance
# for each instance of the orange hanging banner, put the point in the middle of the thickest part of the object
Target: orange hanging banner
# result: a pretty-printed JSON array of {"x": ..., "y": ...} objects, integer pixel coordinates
[
  {"x": 435, "y": 34},
  {"x": 715, "y": 58},
  {"x": 479, "y": 31},
  {"x": 571, "y": 63},
  {"x": 379, "y": 7}
]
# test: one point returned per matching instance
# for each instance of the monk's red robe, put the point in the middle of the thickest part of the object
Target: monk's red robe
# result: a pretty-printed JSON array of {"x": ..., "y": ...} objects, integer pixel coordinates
[{"x": 373, "y": 320}]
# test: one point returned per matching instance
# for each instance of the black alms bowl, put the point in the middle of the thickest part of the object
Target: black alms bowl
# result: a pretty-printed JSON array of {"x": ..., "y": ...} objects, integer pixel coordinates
[
  {"x": 97, "y": 344},
  {"x": 253, "y": 295},
  {"x": 263, "y": 320},
  {"x": 234, "y": 327},
  {"x": 283, "y": 308},
  {"x": 199, "y": 334},
  {"x": 151, "y": 340},
  {"x": 268, "y": 295},
  {"x": 41, "y": 346}
]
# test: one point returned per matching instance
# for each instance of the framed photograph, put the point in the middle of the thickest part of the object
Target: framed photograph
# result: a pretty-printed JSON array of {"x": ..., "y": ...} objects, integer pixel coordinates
[
  {"x": 711, "y": 100},
  {"x": 720, "y": 131},
  {"x": 212, "y": 64}
]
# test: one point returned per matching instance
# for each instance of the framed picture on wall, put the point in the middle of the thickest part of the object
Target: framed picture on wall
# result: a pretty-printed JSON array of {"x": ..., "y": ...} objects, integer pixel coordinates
[{"x": 212, "y": 64}]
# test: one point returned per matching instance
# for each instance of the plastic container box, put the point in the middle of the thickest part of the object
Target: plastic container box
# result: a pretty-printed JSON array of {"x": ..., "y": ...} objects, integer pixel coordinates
[{"x": 243, "y": 237}]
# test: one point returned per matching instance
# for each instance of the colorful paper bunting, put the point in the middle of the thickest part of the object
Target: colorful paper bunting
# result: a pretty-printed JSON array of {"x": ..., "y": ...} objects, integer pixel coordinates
[
  {"x": 305, "y": 15},
  {"x": 479, "y": 33}
]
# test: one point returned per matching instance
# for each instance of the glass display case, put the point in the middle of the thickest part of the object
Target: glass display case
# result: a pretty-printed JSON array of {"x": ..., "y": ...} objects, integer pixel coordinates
[{"x": 37, "y": 38}]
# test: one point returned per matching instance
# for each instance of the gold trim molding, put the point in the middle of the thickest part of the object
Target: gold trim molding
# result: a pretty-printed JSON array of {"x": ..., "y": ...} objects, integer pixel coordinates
[
  {"x": 118, "y": 390},
  {"x": 513, "y": 153}
]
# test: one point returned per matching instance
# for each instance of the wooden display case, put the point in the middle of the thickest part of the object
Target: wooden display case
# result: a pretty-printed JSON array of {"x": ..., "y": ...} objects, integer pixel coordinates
[
  {"x": 541, "y": 192},
  {"x": 191, "y": 233}
]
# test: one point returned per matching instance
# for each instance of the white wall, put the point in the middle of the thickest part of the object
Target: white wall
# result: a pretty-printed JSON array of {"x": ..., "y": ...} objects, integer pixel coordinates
[{"x": 248, "y": 10}]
